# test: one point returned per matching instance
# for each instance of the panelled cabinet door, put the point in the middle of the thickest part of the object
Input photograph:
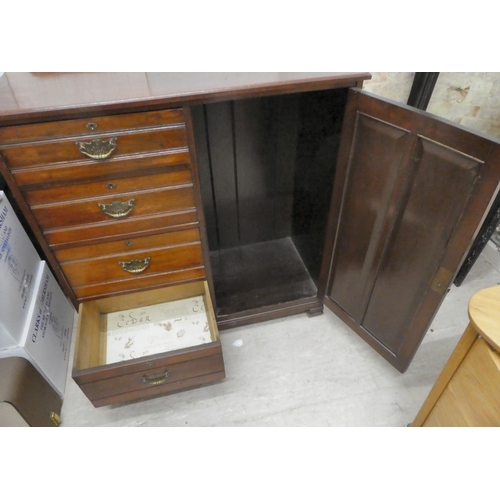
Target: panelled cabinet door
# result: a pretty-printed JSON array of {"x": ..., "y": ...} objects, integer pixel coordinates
[{"x": 410, "y": 193}]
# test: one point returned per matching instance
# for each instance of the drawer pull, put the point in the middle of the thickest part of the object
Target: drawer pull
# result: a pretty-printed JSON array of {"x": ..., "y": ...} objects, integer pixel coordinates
[
  {"x": 135, "y": 266},
  {"x": 117, "y": 209},
  {"x": 98, "y": 149},
  {"x": 157, "y": 379}
]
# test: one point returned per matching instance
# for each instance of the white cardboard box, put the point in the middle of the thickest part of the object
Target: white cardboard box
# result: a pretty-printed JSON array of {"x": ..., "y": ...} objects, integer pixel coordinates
[
  {"x": 47, "y": 332},
  {"x": 19, "y": 263}
]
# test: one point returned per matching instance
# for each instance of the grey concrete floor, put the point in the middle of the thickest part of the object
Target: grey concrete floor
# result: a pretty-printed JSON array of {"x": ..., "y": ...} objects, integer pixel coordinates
[{"x": 300, "y": 371}]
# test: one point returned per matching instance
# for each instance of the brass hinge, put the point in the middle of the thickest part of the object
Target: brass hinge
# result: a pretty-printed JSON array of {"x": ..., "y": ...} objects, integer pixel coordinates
[{"x": 441, "y": 280}]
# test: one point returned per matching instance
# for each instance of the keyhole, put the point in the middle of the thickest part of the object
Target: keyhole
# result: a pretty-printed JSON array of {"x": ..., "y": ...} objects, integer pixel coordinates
[
  {"x": 110, "y": 185},
  {"x": 91, "y": 126},
  {"x": 129, "y": 243}
]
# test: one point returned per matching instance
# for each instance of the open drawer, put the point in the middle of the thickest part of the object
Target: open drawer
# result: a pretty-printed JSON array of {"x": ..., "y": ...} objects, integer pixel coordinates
[{"x": 147, "y": 343}]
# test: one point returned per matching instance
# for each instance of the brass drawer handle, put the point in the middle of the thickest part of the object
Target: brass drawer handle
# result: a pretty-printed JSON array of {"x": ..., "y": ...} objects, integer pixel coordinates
[
  {"x": 117, "y": 209},
  {"x": 98, "y": 149},
  {"x": 135, "y": 266},
  {"x": 157, "y": 379}
]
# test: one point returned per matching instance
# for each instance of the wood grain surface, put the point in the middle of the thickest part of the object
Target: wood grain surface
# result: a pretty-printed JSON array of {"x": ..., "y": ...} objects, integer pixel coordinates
[{"x": 484, "y": 313}]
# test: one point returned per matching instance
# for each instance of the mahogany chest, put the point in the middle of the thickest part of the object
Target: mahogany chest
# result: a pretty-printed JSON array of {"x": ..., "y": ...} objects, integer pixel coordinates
[{"x": 264, "y": 194}]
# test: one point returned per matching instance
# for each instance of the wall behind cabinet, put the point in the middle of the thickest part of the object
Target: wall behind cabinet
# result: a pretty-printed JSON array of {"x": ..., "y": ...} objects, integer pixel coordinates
[
  {"x": 392, "y": 85},
  {"x": 470, "y": 99}
]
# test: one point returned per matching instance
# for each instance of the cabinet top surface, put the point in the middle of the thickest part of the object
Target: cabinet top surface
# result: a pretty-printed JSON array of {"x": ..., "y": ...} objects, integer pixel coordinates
[
  {"x": 24, "y": 95},
  {"x": 484, "y": 313}
]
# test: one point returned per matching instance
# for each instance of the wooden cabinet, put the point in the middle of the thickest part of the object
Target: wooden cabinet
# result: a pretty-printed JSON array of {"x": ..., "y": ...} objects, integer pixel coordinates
[
  {"x": 467, "y": 393},
  {"x": 284, "y": 192}
]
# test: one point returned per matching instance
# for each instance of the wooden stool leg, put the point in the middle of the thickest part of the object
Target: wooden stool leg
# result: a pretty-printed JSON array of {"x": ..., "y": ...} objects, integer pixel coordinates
[{"x": 463, "y": 347}]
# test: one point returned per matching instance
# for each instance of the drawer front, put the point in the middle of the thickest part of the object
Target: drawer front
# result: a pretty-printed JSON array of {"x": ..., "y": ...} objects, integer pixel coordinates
[
  {"x": 113, "y": 186},
  {"x": 160, "y": 390},
  {"x": 49, "y": 153},
  {"x": 94, "y": 270},
  {"x": 132, "y": 227},
  {"x": 99, "y": 210},
  {"x": 127, "y": 266},
  {"x": 140, "y": 282},
  {"x": 84, "y": 127},
  {"x": 39, "y": 177},
  {"x": 147, "y": 381},
  {"x": 120, "y": 247}
]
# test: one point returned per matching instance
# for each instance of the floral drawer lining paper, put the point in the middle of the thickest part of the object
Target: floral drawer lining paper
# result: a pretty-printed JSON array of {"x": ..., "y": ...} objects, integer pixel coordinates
[{"x": 155, "y": 329}]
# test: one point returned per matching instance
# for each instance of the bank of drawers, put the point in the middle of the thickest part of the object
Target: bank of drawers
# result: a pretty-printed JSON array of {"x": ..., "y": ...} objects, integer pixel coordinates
[
  {"x": 124, "y": 231},
  {"x": 113, "y": 197}
]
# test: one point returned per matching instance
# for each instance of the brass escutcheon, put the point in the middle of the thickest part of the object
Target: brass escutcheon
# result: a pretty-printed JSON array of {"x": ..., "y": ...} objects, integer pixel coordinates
[
  {"x": 117, "y": 209},
  {"x": 135, "y": 266},
  {"x": 98, "y": 149}
]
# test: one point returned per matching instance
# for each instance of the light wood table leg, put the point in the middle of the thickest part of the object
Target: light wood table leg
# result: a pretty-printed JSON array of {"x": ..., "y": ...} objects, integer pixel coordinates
[{"x": 456, "y": 358}]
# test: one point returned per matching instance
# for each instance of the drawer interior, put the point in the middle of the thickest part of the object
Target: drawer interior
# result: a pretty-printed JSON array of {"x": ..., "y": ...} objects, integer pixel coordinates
[{"x": 152, "y": 322}]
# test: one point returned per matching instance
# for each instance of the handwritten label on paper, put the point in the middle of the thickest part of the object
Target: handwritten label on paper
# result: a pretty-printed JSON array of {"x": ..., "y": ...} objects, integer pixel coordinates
[{"x": 155, "y": 329}]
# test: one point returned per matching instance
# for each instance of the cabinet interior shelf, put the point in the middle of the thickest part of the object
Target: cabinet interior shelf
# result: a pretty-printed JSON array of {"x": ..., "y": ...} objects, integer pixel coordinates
[{"x": 259, "y": 275}]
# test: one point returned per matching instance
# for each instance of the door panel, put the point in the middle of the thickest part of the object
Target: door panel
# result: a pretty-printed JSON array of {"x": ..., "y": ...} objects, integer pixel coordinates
[
  {"x": 414, "y": 189},
  {"x": 372, "y": 173},
  {"x": 438, "y": 176}
]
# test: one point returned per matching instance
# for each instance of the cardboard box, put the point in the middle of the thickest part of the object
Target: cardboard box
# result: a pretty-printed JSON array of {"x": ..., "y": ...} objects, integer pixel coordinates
[
  {"x": 19, "y": 263},
  {"x": 46, "y": 334}
]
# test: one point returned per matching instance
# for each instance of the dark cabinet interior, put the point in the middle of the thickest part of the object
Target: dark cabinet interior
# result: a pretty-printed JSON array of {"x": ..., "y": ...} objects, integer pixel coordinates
[{"x": 266, "y": 169}]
